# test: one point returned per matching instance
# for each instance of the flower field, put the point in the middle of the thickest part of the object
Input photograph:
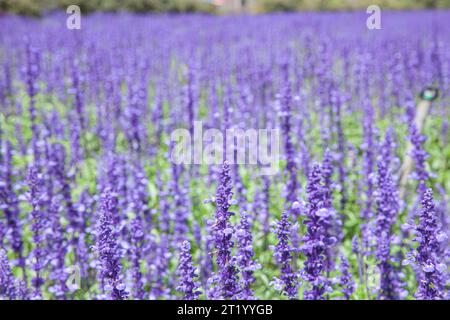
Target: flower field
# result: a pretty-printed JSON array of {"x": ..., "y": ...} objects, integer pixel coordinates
[{"x": 93, "y": 205}]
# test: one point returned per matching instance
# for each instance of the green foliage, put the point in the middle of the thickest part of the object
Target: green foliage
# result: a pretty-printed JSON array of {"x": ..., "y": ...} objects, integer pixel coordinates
[
  {"x": 40, "y": 7},
  {"x": 280, "y": 5}
]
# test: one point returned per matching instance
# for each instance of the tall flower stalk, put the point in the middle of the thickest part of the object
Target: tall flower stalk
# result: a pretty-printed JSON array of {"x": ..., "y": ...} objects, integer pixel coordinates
[
  {"x": 106, "y": 244},
  {"x": 223, "y": 233},
  {"x": 245, "y": 256},
  {"x": 346, "y": 283},
  {"x": 387, "y": 210},
  {"x": 7, "y": 287},
  {"x": 431, "y": 266},
  {"x": 36, "y": 198},
  {"x": 187, "y": 285},
  {"x": 317, "y": 241},
  {"x": 287, "y": 283}
]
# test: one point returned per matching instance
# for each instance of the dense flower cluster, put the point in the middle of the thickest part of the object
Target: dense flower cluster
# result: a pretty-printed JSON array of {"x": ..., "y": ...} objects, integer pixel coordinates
[
  {"x": 36, "y": 198},
  {"x": 346, "y": 280},
  {"x": 431, "y": 265},
  {"x": 108, "y": 251},
  {"x": 245, "y": 255},
  {"x": 188, "y": 286},
  {"x": 387, "y": 210},
  {"x": 317, "y": 240},
  {"x": 283, "y": 253},
  {"x": 7, "y": 286}
]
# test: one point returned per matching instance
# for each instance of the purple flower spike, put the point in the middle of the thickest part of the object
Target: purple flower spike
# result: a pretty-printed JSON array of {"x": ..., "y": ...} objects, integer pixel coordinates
[
  {"x": 245, "y": 257},
  {"x": 431, "y": 266},
  {"x": 7, "y": 288},
  {"x": 346, "y": 282},
  {"x": 36, "y": 199},
  {"x": 108, "y": 251},
  {"x": 317, "y": 240},
  {"x": 223, "y": 232},
  {"x": 387, "y": 209},
  {"x": 283, "y": 254},
  {"x": 187, "y": 273}
]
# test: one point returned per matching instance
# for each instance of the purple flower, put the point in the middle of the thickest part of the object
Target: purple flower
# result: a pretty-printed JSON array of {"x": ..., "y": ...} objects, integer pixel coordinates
[
  {"x": 7, "y": 287},
  {"x": 430, "y": 265},
  {"x": 283, "y": 254},
  {"x": 317, "y": 240},
  {"x": 245, "y": 256},
  {"x": 36, "y": 198},
  {"x": 387, "y": 209},
  {"x": 223, "y": 233},
  {"x": 106, "y": 244},
  {"x": 187, "y": 273},
  {"x": 9, "y": 203},
  {"x": 346, "y": 282}
]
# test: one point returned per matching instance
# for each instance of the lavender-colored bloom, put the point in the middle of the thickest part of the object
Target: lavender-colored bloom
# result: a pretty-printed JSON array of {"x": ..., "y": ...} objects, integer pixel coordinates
[
  {"x": 36, "y": 199},
  {"x": 283, "y": 254},
  {"x": 9, "y": 203},
  {"x": 346, "y": 282},
  {"x": 317, "y": 240},
  {"x": 108, "y": 251},
  {"x": 431, "y": 266},
  {"x": 223, "y": 233},
  {"x": 387, "y": 209},
  {"x": 7, "y": 286},
  {"x": 187, "y": 273},
  {"x": 245, "y": 256},
  {"x": 223, "y": 202}
]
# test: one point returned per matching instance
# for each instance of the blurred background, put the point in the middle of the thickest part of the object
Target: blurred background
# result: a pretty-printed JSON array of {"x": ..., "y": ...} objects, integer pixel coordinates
[{"x": 42, "y": 7}]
